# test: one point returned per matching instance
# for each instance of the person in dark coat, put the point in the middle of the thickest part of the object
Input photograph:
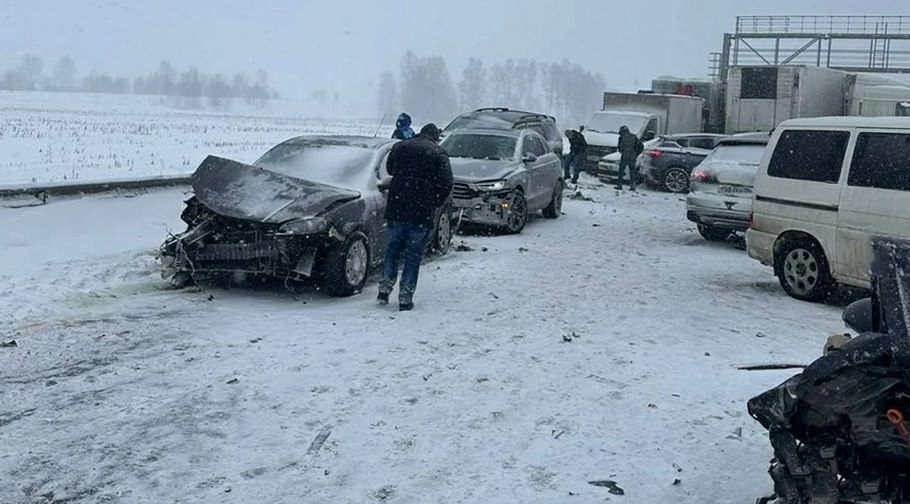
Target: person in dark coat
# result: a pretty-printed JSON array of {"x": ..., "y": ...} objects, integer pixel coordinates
[
  {"x": 629, "y": 147},
  {"x": 575, "y": 161},
  {"x": 421, "y": 184},
  {"x": 403, "y": 129}
]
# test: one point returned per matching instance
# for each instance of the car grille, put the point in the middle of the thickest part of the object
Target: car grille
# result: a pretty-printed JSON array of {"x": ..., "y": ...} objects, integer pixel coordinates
[
  {"x": 240, "y": 251},
  {"x": 462, "y": 191}
]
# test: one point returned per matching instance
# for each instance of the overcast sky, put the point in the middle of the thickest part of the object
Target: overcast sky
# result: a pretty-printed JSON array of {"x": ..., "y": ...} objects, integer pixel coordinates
[{"x": 343, "y": 45}]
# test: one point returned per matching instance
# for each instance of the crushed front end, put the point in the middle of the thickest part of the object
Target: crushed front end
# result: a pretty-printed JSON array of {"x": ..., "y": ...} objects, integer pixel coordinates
[
  {"x": 840, "y": 430},
  {"x": 487, "y": 203},
  {"x": 215, "y": 244}
]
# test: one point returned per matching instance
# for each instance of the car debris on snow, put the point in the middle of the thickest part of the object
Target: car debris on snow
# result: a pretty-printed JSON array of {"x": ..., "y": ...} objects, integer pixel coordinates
[
  {"x": 320, "y": 439},
  {"x": 9, "y": 344},
  {"x": 610, "y": 485}
]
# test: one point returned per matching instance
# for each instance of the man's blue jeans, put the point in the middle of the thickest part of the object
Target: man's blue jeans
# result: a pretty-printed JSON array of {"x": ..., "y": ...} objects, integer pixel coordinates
[
  {"x": 623, "y": 164},
  {"x": 408, "y": 240},
  {"x": 573, "y": 165}
]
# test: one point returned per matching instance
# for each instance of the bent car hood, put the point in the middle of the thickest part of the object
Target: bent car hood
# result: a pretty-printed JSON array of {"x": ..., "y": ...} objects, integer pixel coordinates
[
  {"x": 475, "y": 170},
  {"x": 599, "y": 139},
  {"x": 251, "y": 193}
]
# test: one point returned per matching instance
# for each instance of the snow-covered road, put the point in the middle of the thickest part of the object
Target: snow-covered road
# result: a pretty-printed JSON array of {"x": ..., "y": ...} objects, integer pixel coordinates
[{"x": 121, "y": 390}]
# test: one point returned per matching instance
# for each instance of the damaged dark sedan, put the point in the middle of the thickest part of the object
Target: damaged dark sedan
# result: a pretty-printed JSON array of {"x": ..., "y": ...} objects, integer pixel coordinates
[{"x": 311, "y": 208}]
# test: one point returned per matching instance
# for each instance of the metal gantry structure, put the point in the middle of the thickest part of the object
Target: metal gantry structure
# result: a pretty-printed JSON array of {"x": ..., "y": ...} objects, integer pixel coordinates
[{"x": 851, "y": 43}]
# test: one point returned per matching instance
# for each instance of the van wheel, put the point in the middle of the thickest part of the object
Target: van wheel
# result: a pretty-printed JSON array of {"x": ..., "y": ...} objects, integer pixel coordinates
[
  {"x": 802, "y": 270},
  {"x": 347, "y": 266},
  {"x": 713, "y": 234}
]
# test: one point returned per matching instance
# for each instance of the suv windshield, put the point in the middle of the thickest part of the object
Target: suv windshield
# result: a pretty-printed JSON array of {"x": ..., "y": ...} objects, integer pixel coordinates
[
  {"x": 479, "y": 146},
  {"x": 337, "y": 165},
  {"x": 610, "y": 122}
]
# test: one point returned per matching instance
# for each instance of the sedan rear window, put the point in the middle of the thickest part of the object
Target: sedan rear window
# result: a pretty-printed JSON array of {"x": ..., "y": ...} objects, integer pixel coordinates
[
  {"x": 816, "y": 156},
  {"x": 747, "y": 154},
  {"x": 479, "y": 146}
]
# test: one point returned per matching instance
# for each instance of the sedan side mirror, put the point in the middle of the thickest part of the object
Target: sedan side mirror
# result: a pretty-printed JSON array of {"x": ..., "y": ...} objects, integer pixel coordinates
[
  {"x": 858, "y": 316},
  {"x": 529, "y": 158},
  {"x": 581, "y": 129}
]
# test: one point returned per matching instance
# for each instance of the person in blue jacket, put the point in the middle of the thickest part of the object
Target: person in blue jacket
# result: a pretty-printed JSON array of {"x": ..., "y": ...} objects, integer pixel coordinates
[{"x": 403, "y": 127}]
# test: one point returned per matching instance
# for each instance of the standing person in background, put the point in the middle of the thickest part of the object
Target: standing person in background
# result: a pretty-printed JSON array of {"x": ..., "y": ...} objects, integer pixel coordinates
[
  {"x": 421, "y": 183},
  {"x": 403, "y": 127},
  {"x": 574, "y": 162},
  {"x": 629, "y": 147}
]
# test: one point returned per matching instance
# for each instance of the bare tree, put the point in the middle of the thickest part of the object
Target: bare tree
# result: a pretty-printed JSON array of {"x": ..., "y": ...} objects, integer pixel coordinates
[
  {"x": 387, "y": 94},
  {"x": 473, "y": 85},
  {"x": 427, "y": 91},
  {"x": 64, "y": 78}
]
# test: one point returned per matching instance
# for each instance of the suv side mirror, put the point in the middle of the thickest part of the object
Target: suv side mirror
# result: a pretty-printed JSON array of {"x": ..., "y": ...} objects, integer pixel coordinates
[
  {"x": 858, "y": 316},
  {"x": 529, "y": 157}
]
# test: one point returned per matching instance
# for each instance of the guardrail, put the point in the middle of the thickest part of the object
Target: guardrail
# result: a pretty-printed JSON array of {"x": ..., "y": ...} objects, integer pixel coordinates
[{"x": 42, "y": 192}]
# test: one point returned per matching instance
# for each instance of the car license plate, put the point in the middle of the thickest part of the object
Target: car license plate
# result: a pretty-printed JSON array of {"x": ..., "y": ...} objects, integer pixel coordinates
[{"x": 734, "y": 190}]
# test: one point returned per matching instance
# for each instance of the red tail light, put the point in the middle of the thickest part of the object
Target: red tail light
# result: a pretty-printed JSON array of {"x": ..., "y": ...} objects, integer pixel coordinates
[
  {"x": 700, "y": 175},
  {"x": 653, "y": 153}
]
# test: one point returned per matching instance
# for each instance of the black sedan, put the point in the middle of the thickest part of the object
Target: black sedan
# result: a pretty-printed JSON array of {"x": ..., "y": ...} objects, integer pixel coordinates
[
  {"x": 669, "y": 163},
  {"x": 310, "y": 208}
]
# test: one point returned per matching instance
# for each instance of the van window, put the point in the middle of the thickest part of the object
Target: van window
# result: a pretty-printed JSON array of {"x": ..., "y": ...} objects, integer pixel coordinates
[
  {"x": 816, "y": 156},
  {"x": 882, "y": 161}
]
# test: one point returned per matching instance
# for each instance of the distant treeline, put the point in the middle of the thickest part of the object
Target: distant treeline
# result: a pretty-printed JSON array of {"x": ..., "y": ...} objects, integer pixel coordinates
[
  {"x": 425, "y": 89},
  {"x": 190, "y": 88}
]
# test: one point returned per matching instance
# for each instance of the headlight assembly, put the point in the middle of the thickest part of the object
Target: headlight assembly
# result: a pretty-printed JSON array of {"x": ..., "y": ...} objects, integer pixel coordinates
[
  {"x": 308, "y": 226},
  {"x": 497, "y": 185}
]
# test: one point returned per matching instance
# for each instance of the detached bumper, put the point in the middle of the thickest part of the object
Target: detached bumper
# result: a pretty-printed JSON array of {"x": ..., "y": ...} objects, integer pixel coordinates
[{"x": 492, "y": 209}]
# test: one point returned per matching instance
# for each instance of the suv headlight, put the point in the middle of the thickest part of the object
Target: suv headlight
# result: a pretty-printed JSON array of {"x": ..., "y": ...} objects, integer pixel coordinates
[
  {"x": 308, "y": 226},
  {"x": 497, "y": 185}
]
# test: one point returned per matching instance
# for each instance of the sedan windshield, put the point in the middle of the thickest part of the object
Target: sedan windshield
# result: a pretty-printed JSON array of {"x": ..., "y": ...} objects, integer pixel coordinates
[
  {"x": 611, "y": 122},
  {"x": 336, "y": 165},
  {"x": 480, "y": 146}
]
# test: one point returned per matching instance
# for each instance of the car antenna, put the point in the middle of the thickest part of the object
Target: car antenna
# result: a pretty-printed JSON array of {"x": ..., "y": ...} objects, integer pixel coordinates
[{"x": 380, "y": 125}]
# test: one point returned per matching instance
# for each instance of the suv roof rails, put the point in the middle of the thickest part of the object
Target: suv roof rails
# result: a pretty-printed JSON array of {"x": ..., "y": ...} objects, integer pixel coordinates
[{"x": 493, "y": 109}]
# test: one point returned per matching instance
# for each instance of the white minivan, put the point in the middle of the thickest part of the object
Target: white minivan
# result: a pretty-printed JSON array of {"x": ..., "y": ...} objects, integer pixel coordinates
[{"x": 824, "y": 188}]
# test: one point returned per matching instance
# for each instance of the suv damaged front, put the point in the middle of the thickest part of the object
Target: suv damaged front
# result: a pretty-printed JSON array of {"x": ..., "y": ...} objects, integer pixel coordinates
[
  {"x": 839, "y": 429},
  {"x": 489, "y": 176},
  {"x": 247, "y": 220}
]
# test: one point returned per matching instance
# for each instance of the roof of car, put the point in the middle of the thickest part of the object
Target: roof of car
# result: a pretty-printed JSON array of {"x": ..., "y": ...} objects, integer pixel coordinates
[
  {"x": 509, "y": 114},
  {"x": 850, "y": 122},
  {"x": 364, "y": 142},
  {"x": 492, "y": 132},
  {"x": 758, "y": 138}
]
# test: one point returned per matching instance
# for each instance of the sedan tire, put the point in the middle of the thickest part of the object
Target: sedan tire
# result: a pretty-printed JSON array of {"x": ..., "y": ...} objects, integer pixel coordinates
[
  {"x": 675, "y": 180},
  {"x": 347, "y": 266},
  {"x": 441, "y": 241}
]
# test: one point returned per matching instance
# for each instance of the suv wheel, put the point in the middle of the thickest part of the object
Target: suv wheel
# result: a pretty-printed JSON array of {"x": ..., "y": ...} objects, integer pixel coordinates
[
  {"x": 518, "y": 213},
  {"x": 676, "y": 180},
  {"x": 802, "y": 270},
  {"x": 714, "y": 234},
  {"x": 554, "y": 209}
]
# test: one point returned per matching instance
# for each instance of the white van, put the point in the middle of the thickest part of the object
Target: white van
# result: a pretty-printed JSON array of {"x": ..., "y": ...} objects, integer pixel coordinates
[{"x": 824, "y": 188}]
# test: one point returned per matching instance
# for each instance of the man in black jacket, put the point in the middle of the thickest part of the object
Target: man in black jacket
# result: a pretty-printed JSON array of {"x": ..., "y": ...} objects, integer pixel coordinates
[
  {"x": 575, "y": 161},
  {"x": 421, "y": 183},
  {"x": 629, "y": 148}
]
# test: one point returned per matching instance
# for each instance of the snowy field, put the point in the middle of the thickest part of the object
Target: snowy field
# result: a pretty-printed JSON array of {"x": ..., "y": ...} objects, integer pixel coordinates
[
  {"x": 599, "y": 346},
  {"x": 54, "y": 137}
]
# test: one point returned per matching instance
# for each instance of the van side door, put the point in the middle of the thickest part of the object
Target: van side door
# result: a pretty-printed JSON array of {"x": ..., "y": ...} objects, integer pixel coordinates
[{"x": 875, "y": 201}]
